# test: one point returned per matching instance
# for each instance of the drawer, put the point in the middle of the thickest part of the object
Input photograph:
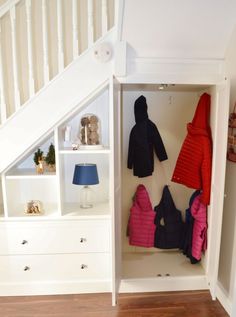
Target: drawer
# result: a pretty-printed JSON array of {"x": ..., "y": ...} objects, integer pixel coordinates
[
  {"x": 58, "y": 267},
  {"x": 69, "y": 237}
]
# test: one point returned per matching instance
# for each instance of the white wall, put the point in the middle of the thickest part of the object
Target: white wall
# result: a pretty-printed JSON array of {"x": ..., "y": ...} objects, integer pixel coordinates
[
  {"x": 228, "y": 241},
  {"x": 178, "y": 29}
]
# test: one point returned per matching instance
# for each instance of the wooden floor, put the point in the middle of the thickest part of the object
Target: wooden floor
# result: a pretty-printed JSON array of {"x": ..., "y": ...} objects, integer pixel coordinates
[{"x": 176, "y": 304}]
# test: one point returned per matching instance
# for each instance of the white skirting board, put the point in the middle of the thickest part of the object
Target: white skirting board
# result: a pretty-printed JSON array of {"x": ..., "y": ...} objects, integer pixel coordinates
[
  {"x": 223, "y": 298},
  {"x": 162, "y": 284},
  {"x": 54, "y": 287}
]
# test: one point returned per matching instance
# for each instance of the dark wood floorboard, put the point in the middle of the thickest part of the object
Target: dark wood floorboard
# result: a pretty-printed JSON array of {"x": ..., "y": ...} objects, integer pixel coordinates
[{"x": 166, "y": 304}]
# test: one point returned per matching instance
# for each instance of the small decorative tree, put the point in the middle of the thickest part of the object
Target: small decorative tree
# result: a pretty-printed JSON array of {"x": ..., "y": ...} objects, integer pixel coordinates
[
  {"x": 50, "y": 158},
  {"x": 38, "y": 160}
]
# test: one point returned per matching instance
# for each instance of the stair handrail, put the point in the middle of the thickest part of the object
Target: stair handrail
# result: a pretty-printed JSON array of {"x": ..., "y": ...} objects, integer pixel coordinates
[{"x": 8, "y": 107}]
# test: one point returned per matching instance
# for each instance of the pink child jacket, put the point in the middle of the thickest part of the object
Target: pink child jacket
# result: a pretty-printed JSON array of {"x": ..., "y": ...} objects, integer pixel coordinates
[
  {"x": 141, "y": 222},
  {"x": 199, "y": 242}
]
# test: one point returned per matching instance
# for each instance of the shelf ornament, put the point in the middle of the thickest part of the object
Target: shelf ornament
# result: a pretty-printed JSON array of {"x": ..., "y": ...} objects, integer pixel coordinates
[
  {"x": 39, "y": 161},
  {"x": 33, "y": 207},
  {"x": 90, "y": 132},
  {"x": 50, "y": 159}
]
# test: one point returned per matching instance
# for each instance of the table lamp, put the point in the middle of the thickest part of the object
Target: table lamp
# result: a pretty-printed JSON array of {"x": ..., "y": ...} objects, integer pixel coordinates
[{"x": 86, "y": 174}]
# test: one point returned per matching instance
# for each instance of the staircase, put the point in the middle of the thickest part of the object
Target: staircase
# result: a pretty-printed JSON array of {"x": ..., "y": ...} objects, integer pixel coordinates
[{"x": 50, "y": 63}]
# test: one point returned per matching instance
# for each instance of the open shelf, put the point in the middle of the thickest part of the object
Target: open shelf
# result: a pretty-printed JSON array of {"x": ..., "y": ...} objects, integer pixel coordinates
[
  {"x": 98, "y": 107},
  {"x": 104, "y": 150},
  {"x": 20, "y": 173},
  {"x": 49, "y": 211},
  {"x": 19, "y": 191},
  {"x": 100, "y": 210},
  {"x": 146, "y": 265}
]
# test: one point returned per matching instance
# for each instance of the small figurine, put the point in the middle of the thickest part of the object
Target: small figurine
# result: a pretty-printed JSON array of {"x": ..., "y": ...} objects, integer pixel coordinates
[{"x": 74, "y": 146}]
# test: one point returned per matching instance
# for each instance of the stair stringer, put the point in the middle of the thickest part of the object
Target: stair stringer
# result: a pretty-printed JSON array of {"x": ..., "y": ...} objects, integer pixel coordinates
[{"x": 55, "y": 101}]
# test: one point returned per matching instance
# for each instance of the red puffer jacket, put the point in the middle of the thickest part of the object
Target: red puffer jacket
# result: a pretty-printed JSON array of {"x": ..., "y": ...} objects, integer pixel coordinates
[
  {"x": 141, "y": 222},
  {"x": 193, "y": 166}
]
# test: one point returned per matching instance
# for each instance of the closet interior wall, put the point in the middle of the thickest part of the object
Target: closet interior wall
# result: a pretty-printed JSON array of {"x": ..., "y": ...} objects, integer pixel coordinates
[
  {"x": 1, "y": 201},
  {"x": 170, "y": 109}
]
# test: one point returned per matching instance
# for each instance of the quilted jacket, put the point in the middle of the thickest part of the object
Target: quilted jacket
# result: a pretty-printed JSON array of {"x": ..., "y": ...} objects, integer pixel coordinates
[
  {"x": 193, "y": 166},
  {"x": 199, "y": 242},
  {"x": 141, "y": 225}
]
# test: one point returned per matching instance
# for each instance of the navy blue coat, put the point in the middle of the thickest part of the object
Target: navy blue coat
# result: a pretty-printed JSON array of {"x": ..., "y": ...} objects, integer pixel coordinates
[
  {"x": 169, "y": 225},
  {"x": 144, "y": 139}
]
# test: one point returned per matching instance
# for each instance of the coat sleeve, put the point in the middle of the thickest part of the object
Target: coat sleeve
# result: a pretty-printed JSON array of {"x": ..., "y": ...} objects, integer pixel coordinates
[
  {"x": 131, "y": 151},
  {"x": 158, "y": 145},
  {"x": 206, "y": 172}
]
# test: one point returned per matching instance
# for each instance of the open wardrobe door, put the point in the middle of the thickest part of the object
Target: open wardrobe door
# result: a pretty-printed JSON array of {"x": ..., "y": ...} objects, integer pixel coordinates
[
  {"x": 115, "y": 115},
  {"x": 219, "y": 125}
]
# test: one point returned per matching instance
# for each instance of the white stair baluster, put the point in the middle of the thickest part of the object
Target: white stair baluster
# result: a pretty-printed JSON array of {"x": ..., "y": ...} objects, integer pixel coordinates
[
  {"x": 14, "y": 58},
  {"x": 3, "y": 109},
  {"x": 30, "y": 47},
  {"x": 45, "y": 42},
  {"x": 90, "y": 23},
  {"x": 75, "y": 29},
  {"x": 104, "y": 17},
  {"x": 60, "y": 36}
]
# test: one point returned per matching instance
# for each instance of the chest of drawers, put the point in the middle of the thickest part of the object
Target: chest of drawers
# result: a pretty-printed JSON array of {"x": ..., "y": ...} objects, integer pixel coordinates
[{"x": 64, "y": 256}]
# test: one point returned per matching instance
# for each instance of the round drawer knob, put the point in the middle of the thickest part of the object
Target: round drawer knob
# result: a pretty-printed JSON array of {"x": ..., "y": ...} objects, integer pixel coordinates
[
  {"x": 26, "y": 268},
  {"x": 82, "y": 240},
  {"x": 24, "y": 242},
  {"x": 83, "y": 266}
]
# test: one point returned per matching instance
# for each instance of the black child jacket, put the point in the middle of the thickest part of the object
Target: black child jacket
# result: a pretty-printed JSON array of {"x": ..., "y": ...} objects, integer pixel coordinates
[{"x": 144, "y": 139}]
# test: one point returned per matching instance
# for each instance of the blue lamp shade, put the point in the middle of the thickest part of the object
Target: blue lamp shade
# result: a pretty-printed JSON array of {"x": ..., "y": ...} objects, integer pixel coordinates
[{"x": 85, "y": 174}]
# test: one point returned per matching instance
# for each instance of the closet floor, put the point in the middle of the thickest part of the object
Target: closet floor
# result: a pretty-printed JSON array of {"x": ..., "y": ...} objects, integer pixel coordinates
[{"x": 150, "y": 264}]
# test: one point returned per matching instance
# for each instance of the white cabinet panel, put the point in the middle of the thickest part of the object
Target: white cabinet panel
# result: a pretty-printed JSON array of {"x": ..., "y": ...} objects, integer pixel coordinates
[
  {"x": 67, "y": 267},
  {"x": 91, "y": 236}
]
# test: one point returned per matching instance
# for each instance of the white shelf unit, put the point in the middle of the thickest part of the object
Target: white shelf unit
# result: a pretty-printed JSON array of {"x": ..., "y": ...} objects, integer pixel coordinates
[
  {"x": 68, "y": 158},
  {"x": 79, "y": 239},
  {"x": 55, "y": 190}
]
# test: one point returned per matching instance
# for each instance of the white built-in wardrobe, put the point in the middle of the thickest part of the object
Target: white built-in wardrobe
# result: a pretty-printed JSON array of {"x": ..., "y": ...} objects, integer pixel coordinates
[
  {"x": 140, "y": 269},
  {"x": 70, "y": 250}
]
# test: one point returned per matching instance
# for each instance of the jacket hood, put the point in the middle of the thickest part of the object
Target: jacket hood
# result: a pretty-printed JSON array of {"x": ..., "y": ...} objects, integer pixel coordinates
[
  {"x": 200, "y": 123},
  {"x": 140, "y": 109},
  {"x": 198, "y": 209},
  {"x": 142, "y": 198},
  {"x": 193, "y": 196},
  {"x": 166, "y": 203}
]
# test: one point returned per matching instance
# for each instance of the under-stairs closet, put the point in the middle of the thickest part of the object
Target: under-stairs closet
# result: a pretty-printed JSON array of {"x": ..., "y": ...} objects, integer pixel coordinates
[{"x": 170, "y": 107}]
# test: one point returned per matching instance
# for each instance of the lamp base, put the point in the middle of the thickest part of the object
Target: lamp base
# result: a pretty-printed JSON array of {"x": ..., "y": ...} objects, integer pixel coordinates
[{"x": 86, "y": 198}]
